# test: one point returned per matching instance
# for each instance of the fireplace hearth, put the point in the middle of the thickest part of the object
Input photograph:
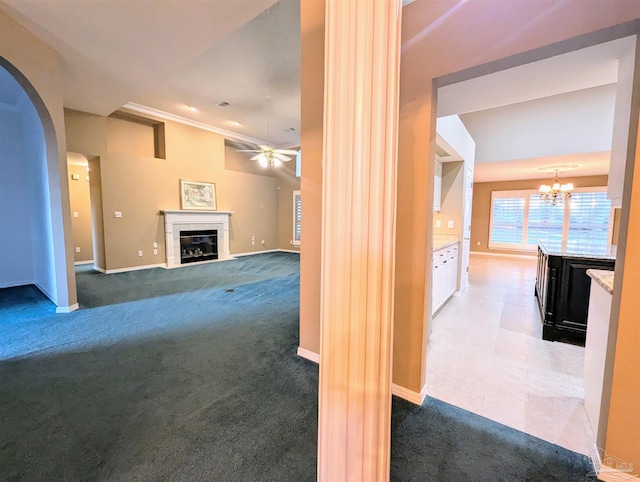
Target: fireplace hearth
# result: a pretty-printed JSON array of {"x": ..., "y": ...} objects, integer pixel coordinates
[{"x": 200, "y": 245}]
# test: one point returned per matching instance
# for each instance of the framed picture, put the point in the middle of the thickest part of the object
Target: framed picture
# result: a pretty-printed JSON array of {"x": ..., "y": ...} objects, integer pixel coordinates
[{"x": 197, "y": 195}]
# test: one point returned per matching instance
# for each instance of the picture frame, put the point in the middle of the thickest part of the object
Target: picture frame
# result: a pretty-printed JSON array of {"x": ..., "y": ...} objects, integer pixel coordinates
[{"x": 197, "y": 195}]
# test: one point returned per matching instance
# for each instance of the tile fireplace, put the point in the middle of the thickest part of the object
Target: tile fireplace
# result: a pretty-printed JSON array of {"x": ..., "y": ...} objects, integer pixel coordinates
[{"x": 196, "y": 237}]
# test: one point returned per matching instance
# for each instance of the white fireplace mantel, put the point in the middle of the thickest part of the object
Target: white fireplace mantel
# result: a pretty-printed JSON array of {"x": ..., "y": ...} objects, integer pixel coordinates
[{"x": 176, "y": 221}]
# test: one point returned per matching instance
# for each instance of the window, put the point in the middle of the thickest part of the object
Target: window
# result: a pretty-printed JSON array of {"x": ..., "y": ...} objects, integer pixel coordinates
[
  {"x": 297, "y": 214},
  {"x": 519, "y": 219},
  {"x": 589, "y": 221}
]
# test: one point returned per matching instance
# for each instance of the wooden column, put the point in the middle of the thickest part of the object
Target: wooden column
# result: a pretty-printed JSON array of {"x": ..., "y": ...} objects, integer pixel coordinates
[{"x": 362, "y": 52}]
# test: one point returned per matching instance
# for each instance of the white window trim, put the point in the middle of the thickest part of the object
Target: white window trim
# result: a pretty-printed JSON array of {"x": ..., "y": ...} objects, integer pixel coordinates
[{"x": 526, "y": 193}]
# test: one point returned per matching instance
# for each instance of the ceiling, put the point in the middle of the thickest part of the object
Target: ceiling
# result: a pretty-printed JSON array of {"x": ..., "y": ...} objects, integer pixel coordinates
[
  {"x": 193, "y": 53},
  {"x": 179, "y": 54},
  {"x": 557, "y": 111}
]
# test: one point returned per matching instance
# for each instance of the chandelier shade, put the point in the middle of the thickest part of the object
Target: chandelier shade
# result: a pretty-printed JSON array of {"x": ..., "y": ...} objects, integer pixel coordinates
[{"x": 557, "y": 193}]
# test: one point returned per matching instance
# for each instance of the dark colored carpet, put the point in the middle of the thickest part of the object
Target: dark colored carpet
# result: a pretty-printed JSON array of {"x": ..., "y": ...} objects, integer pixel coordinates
[{"x": 191, "y": 374}]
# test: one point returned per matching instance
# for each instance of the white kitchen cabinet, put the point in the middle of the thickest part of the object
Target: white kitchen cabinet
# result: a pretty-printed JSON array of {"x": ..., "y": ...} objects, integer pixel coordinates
[
  {"x": 444, "y": 276},
  {"x": 437, "y": 185}
]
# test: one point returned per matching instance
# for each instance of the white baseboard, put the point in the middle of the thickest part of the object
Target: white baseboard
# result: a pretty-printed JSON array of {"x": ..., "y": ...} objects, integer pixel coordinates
[
  {"x": 47, "y": 293},
  {"x": 605, "y": 472},
  {"x": 504, "y": 255},
  {"x": 608, "y": 474},
  {"x": 409, "y": 395},
  {"x": 132, "y": 268},
  {"x": 67, "y": 309},
  {"x": 16, "y": 284},
  {"x": 78, "y": 263},
  {"x": 101, "y": 270},
  {"x": 309, "y": 355},
  {"x": 249, "y": 253},
  {"x": 396, "y": 390}
]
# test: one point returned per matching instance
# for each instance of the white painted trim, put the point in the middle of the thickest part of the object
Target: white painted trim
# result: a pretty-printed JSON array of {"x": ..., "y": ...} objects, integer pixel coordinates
[
  {"x": 614, "y": 475},
  {"x": 78, "y": 263},
  {"x": 607, "y": 473},
  {"x": 505, "y": 255},
  {"x": 46, "y": 293},
  {"x": 133, "y": 268},
  {"x": 596, "y": 461},
  {"x": 309, "y": 355},
  {"x": 101, "y": 270},
  {"x": 143, "y": 109},
  {"x": 67, "y": 309},
  {"x": 188, "y": 220},
  {"x": 16, "y": 284},
  {"x": 409, "y": 395},
  {"x": 249, "y": 253}
]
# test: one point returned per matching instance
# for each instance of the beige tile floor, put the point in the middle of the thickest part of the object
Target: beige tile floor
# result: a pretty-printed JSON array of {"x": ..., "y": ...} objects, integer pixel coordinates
[{"x": 486, "y": 355}]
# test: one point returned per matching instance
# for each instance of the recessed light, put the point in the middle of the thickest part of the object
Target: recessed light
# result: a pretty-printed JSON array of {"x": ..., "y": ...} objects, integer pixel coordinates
[
  {"x": 192, "y": 108},
  {"x": 236, "y": 123}
]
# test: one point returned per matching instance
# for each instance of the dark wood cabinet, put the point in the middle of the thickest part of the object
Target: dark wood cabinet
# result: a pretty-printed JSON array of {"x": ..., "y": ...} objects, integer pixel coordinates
[{"x": 562, "y": 288}]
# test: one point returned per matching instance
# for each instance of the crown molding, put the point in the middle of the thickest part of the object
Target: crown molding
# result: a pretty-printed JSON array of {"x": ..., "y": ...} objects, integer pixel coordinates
[{"x": 142, "y": 109}]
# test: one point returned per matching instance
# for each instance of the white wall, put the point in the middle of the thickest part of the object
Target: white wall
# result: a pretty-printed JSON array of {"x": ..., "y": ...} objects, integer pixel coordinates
[
  {"x": 26, "y": 253},
  {"x": 16, "y": 262},
  {"x": 576, "y": 122}
]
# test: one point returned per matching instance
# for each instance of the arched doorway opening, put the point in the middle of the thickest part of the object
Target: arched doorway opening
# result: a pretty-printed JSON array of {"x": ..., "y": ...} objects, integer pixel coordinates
[{"x": 32, "y": 234}]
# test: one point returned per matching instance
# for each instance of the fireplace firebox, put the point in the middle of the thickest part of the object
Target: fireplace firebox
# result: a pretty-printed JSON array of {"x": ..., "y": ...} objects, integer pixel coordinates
[{"x": 196, "y": 246}]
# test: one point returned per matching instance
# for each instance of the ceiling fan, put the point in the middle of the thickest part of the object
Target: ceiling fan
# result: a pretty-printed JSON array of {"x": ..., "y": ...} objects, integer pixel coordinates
[{"x": 270, "y": 156}]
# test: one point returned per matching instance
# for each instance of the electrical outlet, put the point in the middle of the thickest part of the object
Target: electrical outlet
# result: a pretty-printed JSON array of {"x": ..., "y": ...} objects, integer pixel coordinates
[
  {"x": 478, "y": 243},
  {"x": 262, "y": 242},
  {"x": 155, "y": 245},
  {"x": 155, "y": 251},
  {"x": 438, "y": 223},
  {"x": 253, "y": 240},
  {"x": 77, "y": 249},
  {"x": 450, "y": 224},
  {"x": 75, "y": 214},
  {"x": 139, "y": 253},
  {"x": 117, "y": 214}
]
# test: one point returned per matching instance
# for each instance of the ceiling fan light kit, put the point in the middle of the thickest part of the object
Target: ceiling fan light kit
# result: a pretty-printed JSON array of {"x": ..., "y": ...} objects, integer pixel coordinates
[{"x": 270, "y": 156}]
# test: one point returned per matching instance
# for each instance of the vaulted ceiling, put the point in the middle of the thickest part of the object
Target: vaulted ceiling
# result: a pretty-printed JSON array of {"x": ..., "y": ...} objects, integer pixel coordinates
[{"x": 186, "y": 58}]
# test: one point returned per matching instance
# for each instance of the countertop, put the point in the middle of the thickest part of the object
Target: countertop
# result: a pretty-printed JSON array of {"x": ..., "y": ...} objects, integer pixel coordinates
[
  {"x": 603, "y": 277},
  {"x": 608, "y": 252},
  {"x": 444, "y": 240}
]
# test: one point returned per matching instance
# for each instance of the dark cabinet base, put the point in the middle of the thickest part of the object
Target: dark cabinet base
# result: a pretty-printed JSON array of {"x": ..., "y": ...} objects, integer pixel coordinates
[{"x": 563, "y": 288}]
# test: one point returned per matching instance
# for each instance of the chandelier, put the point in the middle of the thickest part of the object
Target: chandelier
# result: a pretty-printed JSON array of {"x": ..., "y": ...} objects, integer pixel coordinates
[{"x": 556, "y": 194}]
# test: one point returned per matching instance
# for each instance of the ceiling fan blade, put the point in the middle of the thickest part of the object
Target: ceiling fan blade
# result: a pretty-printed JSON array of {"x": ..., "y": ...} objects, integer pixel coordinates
[
  {"x": 291, "y": 152},
  {"x": 248, "y": 150},
  {"x": 283, "y": 158},
  {"x": 255, "y": 158}
]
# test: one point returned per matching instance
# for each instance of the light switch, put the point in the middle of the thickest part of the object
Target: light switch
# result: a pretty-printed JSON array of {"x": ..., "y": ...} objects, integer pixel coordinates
[
  {"x": 155, "y": 245},
  {"x": 75, "y": 214},
  {"x": 450, "y": 224},
  {"x": 438, "y": 223},
  {"x": 77, "y": 249},
  {"x": 117, "y": 214}
]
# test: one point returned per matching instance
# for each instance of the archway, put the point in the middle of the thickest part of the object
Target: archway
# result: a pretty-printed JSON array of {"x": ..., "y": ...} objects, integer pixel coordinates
[{"x": 32, "y": 234}]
